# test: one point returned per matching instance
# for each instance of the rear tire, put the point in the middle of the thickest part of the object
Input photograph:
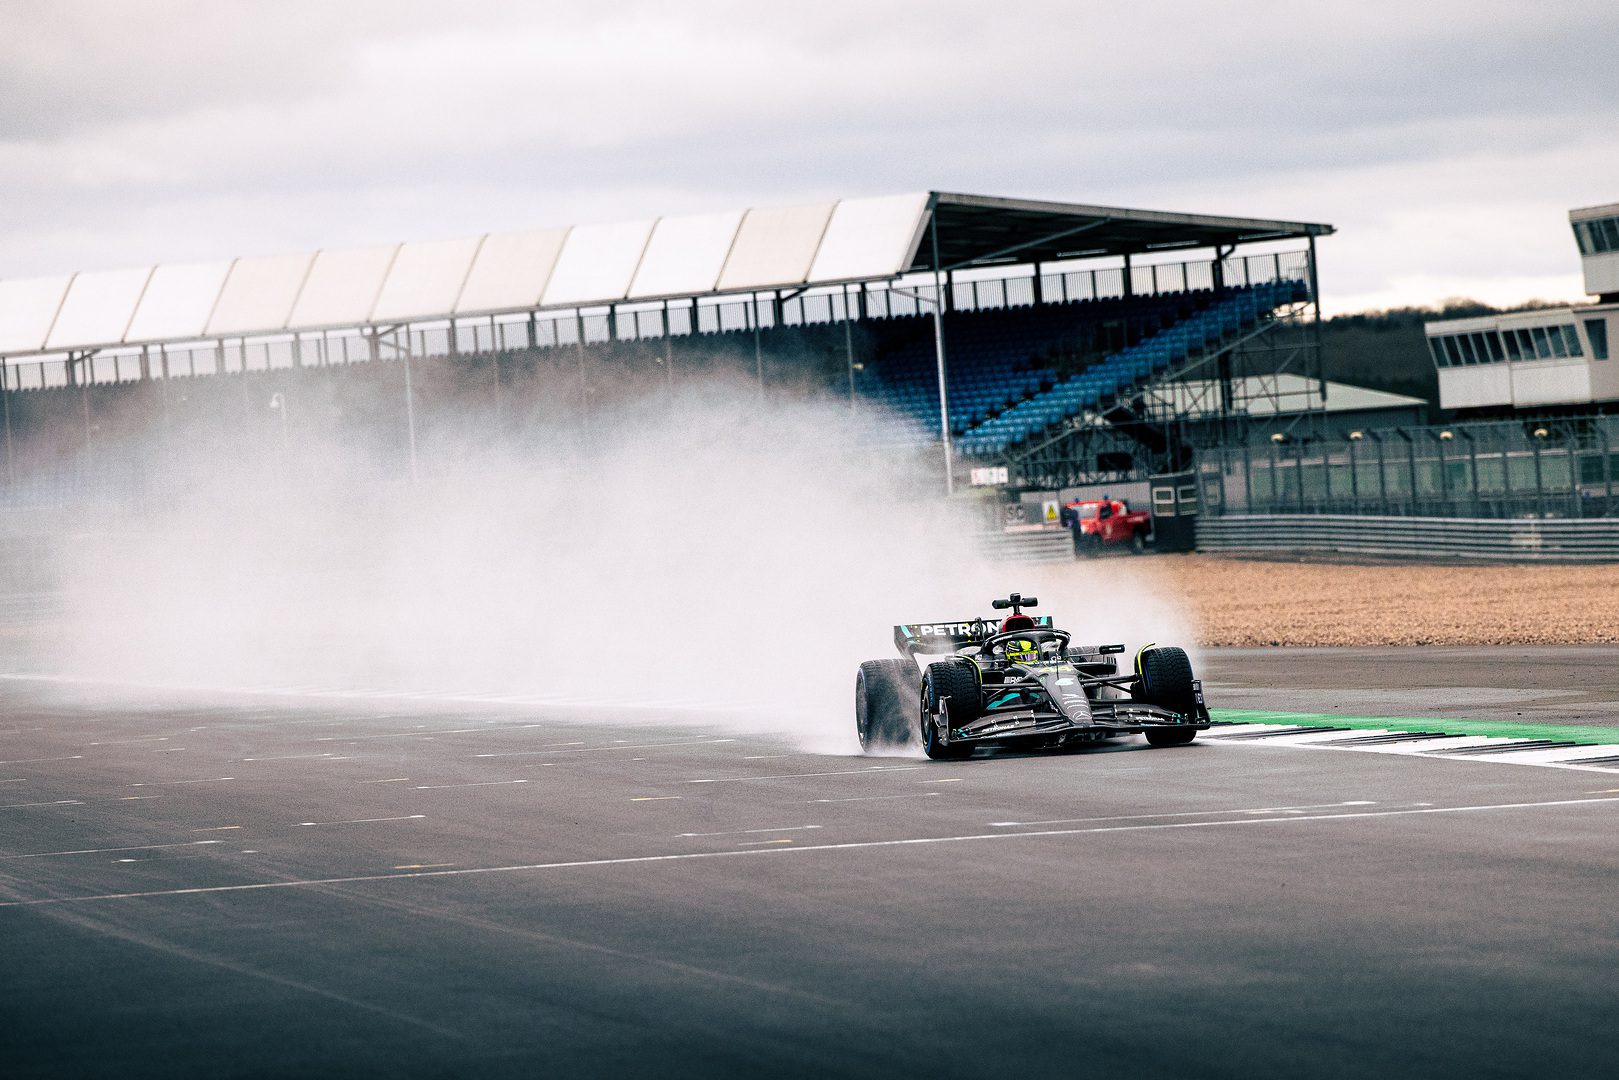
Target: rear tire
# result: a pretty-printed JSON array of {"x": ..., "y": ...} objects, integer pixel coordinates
[
  {"x": 1138, "y": 543},
  {"x": 951, "y": 690},
  {"x": 883, "y": 694}
]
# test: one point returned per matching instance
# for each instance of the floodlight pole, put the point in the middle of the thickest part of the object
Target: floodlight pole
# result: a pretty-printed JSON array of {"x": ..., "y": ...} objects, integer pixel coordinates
[{"x": 938, "y": 349}]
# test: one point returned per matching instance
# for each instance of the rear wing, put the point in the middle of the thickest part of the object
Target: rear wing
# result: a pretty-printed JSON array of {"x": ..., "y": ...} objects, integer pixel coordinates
[{"x": 944, "y": 637}]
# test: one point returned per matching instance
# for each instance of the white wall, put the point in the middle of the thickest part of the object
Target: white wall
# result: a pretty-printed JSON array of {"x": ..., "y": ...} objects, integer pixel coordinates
[{"x": 1473, "y": 387}]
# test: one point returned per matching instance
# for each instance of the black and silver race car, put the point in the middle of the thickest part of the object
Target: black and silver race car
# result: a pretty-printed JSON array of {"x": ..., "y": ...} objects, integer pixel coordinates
[{"x": 1021, "y": 683}]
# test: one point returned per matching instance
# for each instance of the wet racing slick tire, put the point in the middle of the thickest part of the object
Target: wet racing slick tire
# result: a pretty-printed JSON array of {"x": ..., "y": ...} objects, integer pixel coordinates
[
  {"x": 1165, "y": 675},
  {"x": 884, "y": 693},
  {"x": 950, "y": 690}
]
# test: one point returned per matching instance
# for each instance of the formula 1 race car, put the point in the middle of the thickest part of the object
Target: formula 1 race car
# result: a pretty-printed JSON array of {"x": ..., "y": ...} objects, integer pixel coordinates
[{"x": 1021, "y": 683}]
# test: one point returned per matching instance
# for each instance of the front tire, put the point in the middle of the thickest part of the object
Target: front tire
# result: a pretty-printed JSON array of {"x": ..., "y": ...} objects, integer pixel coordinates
[
  {"x": 1164, "y": 676},
  {"x": 950, "y": 692},
  {"x": 1170, "y": 736},
  {"x": 883, "y": 693}
]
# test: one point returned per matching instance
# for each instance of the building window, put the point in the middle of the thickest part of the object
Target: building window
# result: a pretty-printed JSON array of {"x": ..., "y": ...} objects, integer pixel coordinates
[
  {"x": 1597, "y": 331},
  {"x": 1509, "y": 338},
  {"x": 1542, "y": 350},
  {"x": 1437, "y": 347},
  {"x": 1454, "y": 352},
  {"x": 1571, "y": 338}
]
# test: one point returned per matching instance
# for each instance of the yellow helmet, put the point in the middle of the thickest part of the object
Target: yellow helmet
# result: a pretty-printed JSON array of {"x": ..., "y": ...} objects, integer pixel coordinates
[{"x": 1021, "y": 651}]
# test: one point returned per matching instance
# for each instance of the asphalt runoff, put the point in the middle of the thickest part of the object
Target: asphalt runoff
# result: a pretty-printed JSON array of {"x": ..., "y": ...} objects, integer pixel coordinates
[{"x": 304, "y": 885}]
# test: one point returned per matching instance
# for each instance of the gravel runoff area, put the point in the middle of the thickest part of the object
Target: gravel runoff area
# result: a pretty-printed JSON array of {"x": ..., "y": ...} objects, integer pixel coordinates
[{"x": 1278, "y": 601}]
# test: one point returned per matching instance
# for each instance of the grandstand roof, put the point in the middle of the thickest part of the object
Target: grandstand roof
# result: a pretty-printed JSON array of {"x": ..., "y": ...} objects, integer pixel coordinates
[
  {"x": 978, "y": 230},
  {"x": 746, "y": 251}
]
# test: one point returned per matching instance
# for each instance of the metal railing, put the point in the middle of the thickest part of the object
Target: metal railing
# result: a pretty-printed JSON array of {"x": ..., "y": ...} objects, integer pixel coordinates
[
  {"x": 1512, "y": 540},
  {"x": 1564, "y": 468}
]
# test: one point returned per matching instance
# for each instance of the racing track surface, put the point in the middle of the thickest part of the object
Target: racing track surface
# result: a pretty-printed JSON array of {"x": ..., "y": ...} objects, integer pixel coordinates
[{"x": 311, "y": 885}]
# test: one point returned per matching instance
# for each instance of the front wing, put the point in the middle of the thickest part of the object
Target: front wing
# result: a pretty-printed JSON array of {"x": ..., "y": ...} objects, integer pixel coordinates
[{"x": 1100, "y": 720}]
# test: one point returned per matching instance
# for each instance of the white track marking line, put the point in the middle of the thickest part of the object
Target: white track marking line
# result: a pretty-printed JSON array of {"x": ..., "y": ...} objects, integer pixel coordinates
[
  {"x": 870, "y": 771},
  {"x": 15, "y": 780},
  {"x": 480, "y": 783},
  {"x": 1185, "y": 813},
  {"x": 949, "y": 780},
  {"x": 104, "y": 850},
  {"x": 880, "y": 798},
  {"x": 54, "y": 802},
  {"x": 390, "y": 780},
  {"x": 217, "y": 828},
  {"x": 1423, "y": 750},
  {"x": 762, "y": 843},
  {"x": 749, "y": 832},
  {"x": 854, "y": 845},
  {"x": 591, "y": 749},
  {"x": 36, "y": 760},
  {"x": 171, "y": 783},
  {"x": 653, "y": 798},
  {"x": 300, "y": 757},
  {"x": 359, "y": 820}
]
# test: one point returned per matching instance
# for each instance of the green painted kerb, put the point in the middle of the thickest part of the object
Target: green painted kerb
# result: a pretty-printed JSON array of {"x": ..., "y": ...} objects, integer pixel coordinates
[{"x": 1591, "y": 736}]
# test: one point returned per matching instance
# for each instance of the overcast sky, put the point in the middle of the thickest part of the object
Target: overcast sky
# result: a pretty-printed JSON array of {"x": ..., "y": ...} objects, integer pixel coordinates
[{"x": 1445, "y": 140}]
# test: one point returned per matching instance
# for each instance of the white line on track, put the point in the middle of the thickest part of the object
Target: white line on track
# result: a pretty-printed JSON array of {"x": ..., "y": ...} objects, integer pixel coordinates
[
  {"x": 171, "y": 783},
  {"x": 103, "y": 850},
  {"x": 854, "y": 845},
  {"x": 591, "y": 749},
  {"x": 748, "y": 832},
  {"x": 1184, "y": 813},
  {"x": 300, "y": 757},
  {"x": 870, "y": 771},
  {"x": 15, "y": 780},
  {"x": 356, "y": 821},
  {"x": 881, "y": 798},
  {"x": 390, "y": 780},
  {"x": 480, "y": 783},
  {"x": 36, "y": 760},
  {"x": 54, "y": 802}
]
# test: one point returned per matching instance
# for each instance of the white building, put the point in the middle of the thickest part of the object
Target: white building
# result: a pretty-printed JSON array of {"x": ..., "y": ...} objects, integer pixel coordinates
[{"x": 1549, "y": 357}]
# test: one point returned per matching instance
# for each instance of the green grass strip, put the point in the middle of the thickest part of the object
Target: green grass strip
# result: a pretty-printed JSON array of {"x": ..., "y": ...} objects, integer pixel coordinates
[{"x": 1506, "y": 729}]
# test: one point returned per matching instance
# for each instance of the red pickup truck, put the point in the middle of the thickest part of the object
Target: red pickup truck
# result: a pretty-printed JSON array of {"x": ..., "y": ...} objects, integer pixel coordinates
[{"x": 1100, "y": 522}]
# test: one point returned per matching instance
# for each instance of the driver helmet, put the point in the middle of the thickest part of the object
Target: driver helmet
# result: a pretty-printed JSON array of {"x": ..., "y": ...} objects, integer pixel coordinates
[{"x": 1021, "y": 651}]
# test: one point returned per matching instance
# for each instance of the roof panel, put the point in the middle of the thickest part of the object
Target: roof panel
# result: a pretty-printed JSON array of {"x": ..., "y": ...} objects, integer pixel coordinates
[
  {"x": 177, "y": 302},
  {"x": 871, "y": 238},
  {"x": 342, "y": 287},
  {"x": 98, "y": 308},
  {"x": 259, "y": 294},
  {"x": 597, "y": 263},
  {"x": 685, "y": 255},
  {"x": 775, "y": 247},
  {"x": 28, "y": 306},
  {"x": 425, "y": 280},
  {"x": 510, "y": 271}
]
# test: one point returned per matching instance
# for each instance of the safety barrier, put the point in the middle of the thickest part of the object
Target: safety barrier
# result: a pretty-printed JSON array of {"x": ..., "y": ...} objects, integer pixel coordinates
[
  {"x": 1029, "y": 546},
  {"x": 1500, "y": 539}
]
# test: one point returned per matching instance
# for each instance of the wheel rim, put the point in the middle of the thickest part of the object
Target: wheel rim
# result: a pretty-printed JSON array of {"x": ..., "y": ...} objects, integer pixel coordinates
[{"x": 862, "y": 721}]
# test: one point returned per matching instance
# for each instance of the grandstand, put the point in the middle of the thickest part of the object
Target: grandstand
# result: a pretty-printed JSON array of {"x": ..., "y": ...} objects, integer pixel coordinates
[{"x": 1036, "y": 335}]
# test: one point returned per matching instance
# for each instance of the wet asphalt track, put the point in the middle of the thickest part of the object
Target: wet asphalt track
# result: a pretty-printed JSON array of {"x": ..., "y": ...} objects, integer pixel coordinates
[{"x": 313, "y": 886}]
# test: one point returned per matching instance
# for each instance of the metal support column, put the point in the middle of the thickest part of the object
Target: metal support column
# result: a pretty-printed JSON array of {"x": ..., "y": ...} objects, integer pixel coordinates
[{"x": 939, "y": 356}]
